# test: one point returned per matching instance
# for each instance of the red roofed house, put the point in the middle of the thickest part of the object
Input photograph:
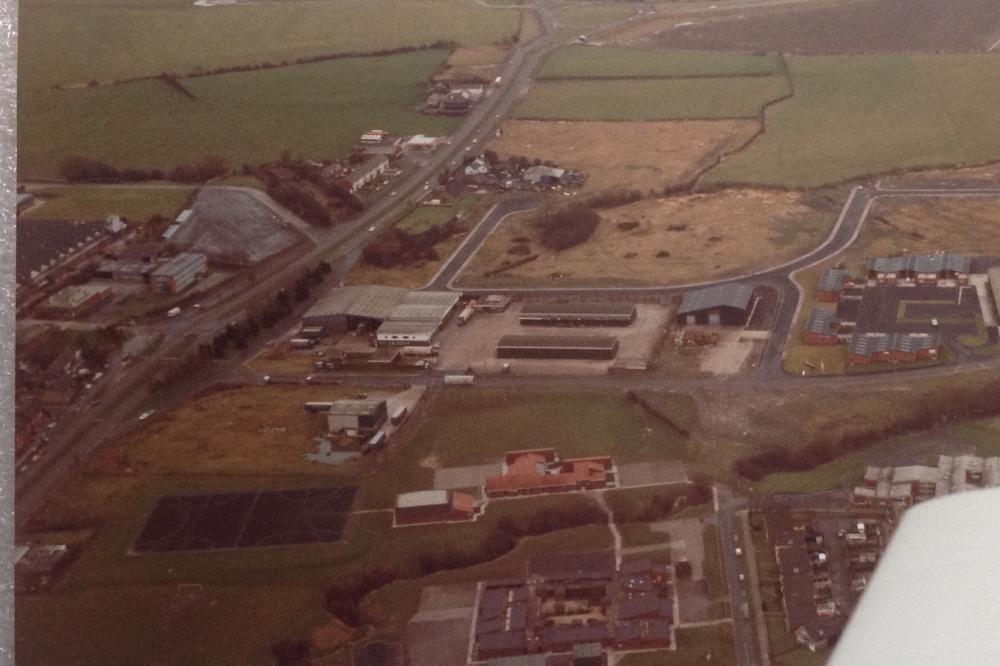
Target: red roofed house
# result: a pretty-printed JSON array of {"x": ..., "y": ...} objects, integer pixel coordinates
[{"x": 540, "y": 471}]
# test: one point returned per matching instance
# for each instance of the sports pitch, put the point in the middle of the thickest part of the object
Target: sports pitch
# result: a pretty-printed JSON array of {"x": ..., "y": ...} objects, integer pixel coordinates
[{"x": 244, "y": 520}]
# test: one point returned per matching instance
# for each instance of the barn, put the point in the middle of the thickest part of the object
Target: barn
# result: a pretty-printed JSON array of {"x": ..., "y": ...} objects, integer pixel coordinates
[
  {"x": 347, "y": 308},
  {"x": 727, "y": 304},
  {"x": 577, "y": 314},
  {"x": 583, "y": 347}
]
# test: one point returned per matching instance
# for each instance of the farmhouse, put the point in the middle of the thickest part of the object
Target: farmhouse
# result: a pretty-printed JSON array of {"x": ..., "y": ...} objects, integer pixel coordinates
[
  {"x": 920, "y": 268},
  {"x": 876, "y": 347},
  {"x": 726, "y": 304},
  {"x": 831, "y": 281},
  {"x": 179, "y": 273},
  {"x": 581, "y": 347},
  {"x": 540, "y": 471},
  {"x": 368, "y": 171},
  {"x": 433, "y": 506},
  {"x": 577, "y": 314},
  {"x": 822, "y": 328},
  {"x": 74, "y": 301},
  {"x": 356, "y": 417}
]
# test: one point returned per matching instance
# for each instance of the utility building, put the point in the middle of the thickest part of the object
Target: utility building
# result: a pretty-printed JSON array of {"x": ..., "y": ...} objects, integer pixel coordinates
[
  {"x": 727, "y": 304},
  {"x": 577, "y": 314},
  {"x": 434, "y": 506},
  {"x": 357, "y": 417},
  {"x": 557, "y": 346},
  {"x": 179, "y": 273}
]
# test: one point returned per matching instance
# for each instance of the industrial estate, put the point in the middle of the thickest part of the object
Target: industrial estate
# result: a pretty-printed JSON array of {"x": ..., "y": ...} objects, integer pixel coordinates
[{"x": 446, "y": 332}]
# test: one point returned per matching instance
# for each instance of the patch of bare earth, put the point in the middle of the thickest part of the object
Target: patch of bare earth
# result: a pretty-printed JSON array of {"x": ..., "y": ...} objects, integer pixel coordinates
[
  {"x": 631, "y": 155},
  {"x": 664, "y": 241}
]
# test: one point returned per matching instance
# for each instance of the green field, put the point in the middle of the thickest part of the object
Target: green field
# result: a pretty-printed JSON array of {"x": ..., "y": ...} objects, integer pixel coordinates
[
  {"x": 317, "y": 111},
  {"x": 574, "y": 19},
  {"x": 612, "y": 62},
  {"x": 574, "y": 423},
  {"x": 651, "y": 99},
  {"x": 94, "y": 203},
  {"x": 63, "y": 41},
  {"x": 422, "y": 218},
  {"x": 853, "y": 116}
]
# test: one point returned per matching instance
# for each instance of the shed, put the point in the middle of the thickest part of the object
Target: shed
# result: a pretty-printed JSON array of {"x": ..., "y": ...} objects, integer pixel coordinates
[
  {"x": 584, "y": 347},
  {"x": 726, "y": 304},
  {"x": 578, "y": 314},
  {"x": 360, "y": 416}
]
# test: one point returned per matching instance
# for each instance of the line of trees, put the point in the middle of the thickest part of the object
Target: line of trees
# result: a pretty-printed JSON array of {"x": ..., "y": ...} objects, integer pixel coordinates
[
  {"x": 78, "y": 169},
  {"x": 344, "y": 599},
  {"x": 395, "y": 247},
  {"x": 926, "y": 411}
]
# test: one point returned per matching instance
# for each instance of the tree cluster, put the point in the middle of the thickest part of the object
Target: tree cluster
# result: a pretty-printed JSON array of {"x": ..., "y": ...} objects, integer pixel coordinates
[
  {"x": 567, "y": 227},
  {"x": 613, "y": 198},
  {"x": 663, "y": 503},
  {"x": 395, "y": 247},
  {"x": 302, "y": 202}
]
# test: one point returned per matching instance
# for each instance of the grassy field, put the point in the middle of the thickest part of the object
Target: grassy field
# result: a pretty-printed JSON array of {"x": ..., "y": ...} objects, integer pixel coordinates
[
  {"x": 422, "y": 218},
  {"x": 651, "y": 99},
  {"x": 61, "y": 41},
  {"x": 648, "y": 156},
  {"x": 981, "y": 437},
  {"x": 94, "y": 203},
  {"x": 574, "y": 423},
  {"x": 666, "y": 241},
  {"x": 611, "y": 62},
  {"x": 109, "y": 601},
  {"x": 574, "y": 19},
  {"x": 316, "y": 111},
  {"x": 854, "y": 116}
]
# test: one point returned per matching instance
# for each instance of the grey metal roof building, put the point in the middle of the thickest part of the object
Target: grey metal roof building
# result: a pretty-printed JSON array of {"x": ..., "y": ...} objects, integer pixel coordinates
[
  {"x": 831, "y": 280},
  {"x": 822, "y": 322},
  {"x": 873, "y": 343},
  {"x": 599, "y": 314},
  {"x": 346, "y": 307},
  {"x": 720, "y": 304},
  {"x": 942, "y": 265},
  {"x": 557, "y": 346}
]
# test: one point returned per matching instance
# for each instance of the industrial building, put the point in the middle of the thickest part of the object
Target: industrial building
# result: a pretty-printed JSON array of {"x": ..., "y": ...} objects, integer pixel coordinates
[
  {"x": 536, "y": 621},
  {"x": 920, "y": 268},
  {"x": 536, "y": 471},
  {"x": 179, "y": 273},
  {"x": 727, "y": 304},
  {"x": 492, "y": 303},
  {"x": 413, "y": 317},
  {"x": 906, "y": 485},
  {"x": 123, "y": 270},
  {"x": 577, "y": 314},
  {"x": 584, "y": 347},
  {"x": 356, "y": 417},
  {"x": 434, "y": 506},
  {"x": 877, "y": 347},
  {"x": 74, "y": 301}
]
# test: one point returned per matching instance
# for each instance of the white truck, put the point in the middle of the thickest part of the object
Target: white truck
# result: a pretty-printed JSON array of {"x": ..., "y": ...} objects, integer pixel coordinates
[
  {"x": 302, "y": 343},
  {"x": 459, "y": 379},
  {"x": 173, "y": 312},
  {"x": 466, "y": 314}
]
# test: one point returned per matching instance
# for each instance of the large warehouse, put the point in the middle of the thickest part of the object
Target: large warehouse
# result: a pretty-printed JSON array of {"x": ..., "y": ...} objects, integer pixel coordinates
[
  {"x": 578, "y": 314},
  {"x": 557, "y": 346},
  {"x": 410, "y": 317},
  {"x": 725, "y": 304}
]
